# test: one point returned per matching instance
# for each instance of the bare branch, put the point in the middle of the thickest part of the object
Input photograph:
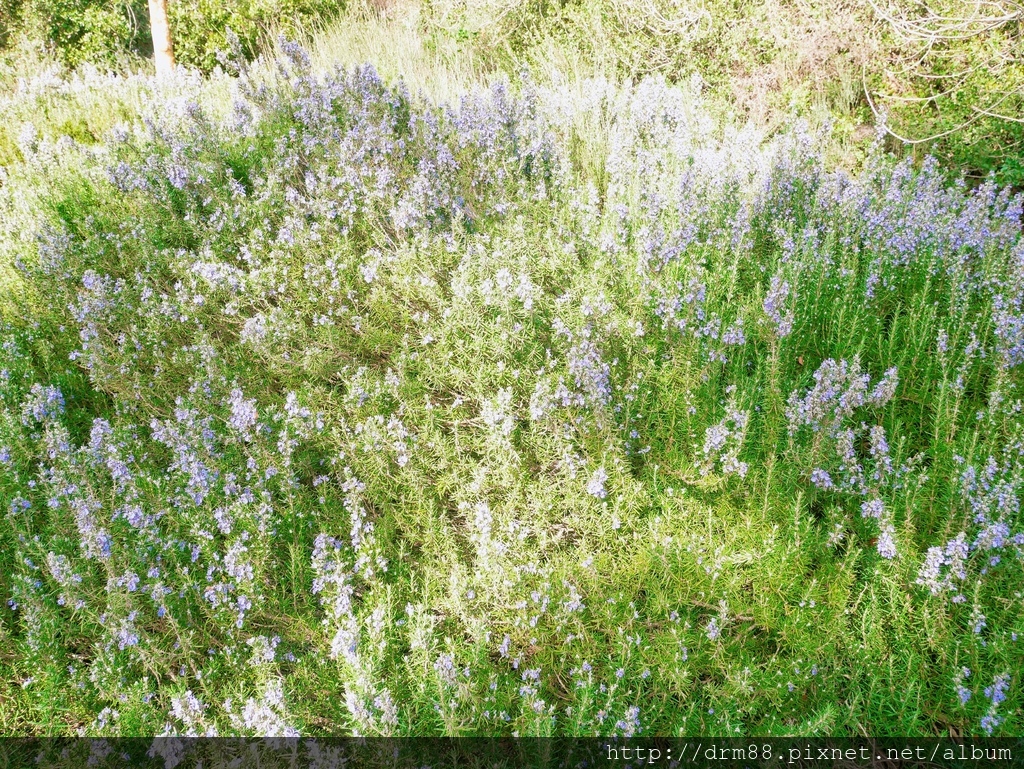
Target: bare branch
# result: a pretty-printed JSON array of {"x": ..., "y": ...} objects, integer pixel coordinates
[
  {"x": 884, "y": 123},
  {"x": 997, "y": 115}
]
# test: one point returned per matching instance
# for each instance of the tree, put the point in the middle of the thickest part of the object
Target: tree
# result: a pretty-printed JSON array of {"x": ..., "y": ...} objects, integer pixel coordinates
[{"x": 163, "y": 51}]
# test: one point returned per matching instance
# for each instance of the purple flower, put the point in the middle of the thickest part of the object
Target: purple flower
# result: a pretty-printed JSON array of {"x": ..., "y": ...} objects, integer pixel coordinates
[
  {"x": 592, "y": 374},
  {"x": 734, "y": 334},
  {"x": 997, "y": 691},
  {"x": 444, "y": 665},
  {"x": 774, "y": 302},
  {"x": 839, "y": 390},
  {"x": 996, "y": 694},
  {"x": 873, "y": 508},
  {"x": 821, "y": 479},
  {"x": 1009, "y": 330},
  {"x": 43, "y": 404},
  {"x": 177, "y": 175},
  {"x": 886, "y": 543},
  {"x": 243, "y": 413},
  {"x": 595, "y": 486},
  {"x": 631, "y": 723},
  {"x": 979, "y": 623},
  {"x": 722, "y": 443}
]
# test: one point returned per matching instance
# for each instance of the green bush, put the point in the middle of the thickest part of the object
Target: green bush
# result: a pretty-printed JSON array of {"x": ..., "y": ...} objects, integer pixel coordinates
[
  {"x": 958, "y": 91},
  {"x": 9, "y": 12},
  {"x": 564, "y": 410},
  {"x": 77, "y": 31},
  {"x": 106, "y": 31},
  {"x": 762, "y": 61},
  {"x": 936, "y": 68},
  {"x": 200, "y": 27}
]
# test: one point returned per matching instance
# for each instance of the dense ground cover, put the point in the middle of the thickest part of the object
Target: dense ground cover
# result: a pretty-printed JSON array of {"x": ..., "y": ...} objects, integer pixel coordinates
[{"x": 559, "y": 409}]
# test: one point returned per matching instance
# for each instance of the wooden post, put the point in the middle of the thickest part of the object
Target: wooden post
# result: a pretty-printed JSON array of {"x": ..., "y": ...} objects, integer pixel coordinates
[{"x": 163, "y": 51}]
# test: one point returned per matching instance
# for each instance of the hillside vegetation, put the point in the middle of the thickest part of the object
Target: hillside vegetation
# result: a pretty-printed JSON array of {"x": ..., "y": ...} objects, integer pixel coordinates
[{"x": 414, "y": 398}]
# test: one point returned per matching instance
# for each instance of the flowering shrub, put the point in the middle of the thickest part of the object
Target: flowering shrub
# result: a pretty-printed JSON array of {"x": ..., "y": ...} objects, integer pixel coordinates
[{"x": 341, "y": 411}]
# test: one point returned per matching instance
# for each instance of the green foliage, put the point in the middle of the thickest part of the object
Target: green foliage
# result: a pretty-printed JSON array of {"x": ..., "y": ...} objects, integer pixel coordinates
[
  {"x": 764, "y": 61},
  {"x": 542, "y": 355},
  {"x": 10, "y": 11},
  {"x": 77, "y": 31},
  {"x": 563, "y": 361},
  {"x": 106, "y": 32},
  {"x": 200, "y": 27},
  {"x": 952, "y": 78},
  {"x": 937, "y": 67}
]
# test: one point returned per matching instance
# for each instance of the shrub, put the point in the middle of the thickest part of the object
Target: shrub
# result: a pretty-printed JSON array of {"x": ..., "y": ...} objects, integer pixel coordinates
[
  {"x": 200, "y": 27},
  {"x": 555, "y": 410},
  {"x": 955, "y": 83},
  {"x": 940, "y": 69},
  {"x": 77, "y": 31},
  {"x": 106, "y": 32}
]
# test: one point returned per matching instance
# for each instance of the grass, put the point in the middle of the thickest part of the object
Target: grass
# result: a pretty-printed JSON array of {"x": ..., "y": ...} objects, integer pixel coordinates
[{"x": 438, "y": 403}]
